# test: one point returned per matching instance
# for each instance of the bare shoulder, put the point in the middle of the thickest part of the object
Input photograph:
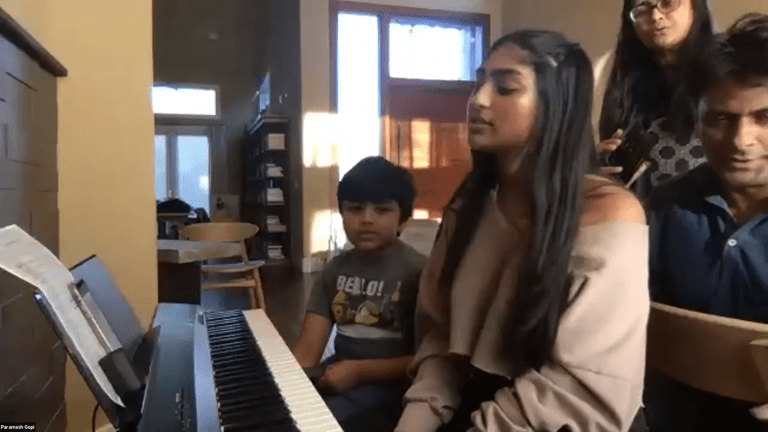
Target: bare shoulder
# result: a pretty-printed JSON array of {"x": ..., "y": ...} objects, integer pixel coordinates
[{"x": 606, "y": 202}]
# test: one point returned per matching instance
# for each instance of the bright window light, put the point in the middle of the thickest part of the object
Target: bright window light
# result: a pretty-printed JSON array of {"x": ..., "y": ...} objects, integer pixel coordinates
[
  {"x": 184, "y": 101},
  {"x": 358, "y": 89},
  {"x": 422, "y": 49}
]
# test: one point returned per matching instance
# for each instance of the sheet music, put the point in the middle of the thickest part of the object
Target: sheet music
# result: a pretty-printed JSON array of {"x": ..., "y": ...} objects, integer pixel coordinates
[{"x": 26, "y": 258}]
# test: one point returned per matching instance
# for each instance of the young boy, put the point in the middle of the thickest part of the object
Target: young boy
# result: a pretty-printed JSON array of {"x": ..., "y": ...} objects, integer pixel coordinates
[{"x": 369, "y": 292}]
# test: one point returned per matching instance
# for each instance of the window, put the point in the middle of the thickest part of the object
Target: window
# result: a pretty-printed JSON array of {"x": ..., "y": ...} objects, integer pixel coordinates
[
  {"x": 377, "y": 47},
  {"x": 185, "y": 101},
  {"x": 182, "y": 164},
  {"x": 401, "y": 78},
  {"x": 433, "y": 50},
  {"x": 358, "y": 102},
  {"x": 161, "y": 172},
  {"x": 182, "y": 153}
]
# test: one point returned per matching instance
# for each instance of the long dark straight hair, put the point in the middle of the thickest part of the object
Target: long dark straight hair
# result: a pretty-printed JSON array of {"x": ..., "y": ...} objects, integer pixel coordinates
[
  {"x": 561, "y": 155},
  {"x": 639, "y": 90}
]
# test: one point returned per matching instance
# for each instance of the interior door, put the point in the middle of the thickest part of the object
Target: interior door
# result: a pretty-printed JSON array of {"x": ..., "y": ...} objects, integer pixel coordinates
[{"x": 425, "y": 131}]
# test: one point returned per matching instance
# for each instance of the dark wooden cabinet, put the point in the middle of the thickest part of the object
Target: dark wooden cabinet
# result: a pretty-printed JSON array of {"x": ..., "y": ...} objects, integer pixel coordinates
[
  {"x": 32, "y": 359},
  {"x": 266, "y": 199}
]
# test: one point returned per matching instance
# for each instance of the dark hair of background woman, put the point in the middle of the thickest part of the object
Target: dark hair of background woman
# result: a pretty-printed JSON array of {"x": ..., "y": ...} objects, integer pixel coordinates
[
  {"x": 639, "y": 90},
  {"x": 563, "y": 153}
]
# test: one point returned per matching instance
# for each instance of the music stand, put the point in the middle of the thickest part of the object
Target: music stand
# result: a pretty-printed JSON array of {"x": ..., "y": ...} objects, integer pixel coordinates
[{"x": 129, "y": 349}]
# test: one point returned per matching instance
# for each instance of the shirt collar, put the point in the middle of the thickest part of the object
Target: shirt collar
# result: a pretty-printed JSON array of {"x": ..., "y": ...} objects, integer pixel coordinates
[{"x": 711, "y": 189}]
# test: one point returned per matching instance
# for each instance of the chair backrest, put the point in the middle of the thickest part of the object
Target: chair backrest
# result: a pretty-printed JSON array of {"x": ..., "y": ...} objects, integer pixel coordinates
[
  {"x": 725, "y": 356},
  {"x": 420, "y": 234},
  {"x": 221, "y": 232}
]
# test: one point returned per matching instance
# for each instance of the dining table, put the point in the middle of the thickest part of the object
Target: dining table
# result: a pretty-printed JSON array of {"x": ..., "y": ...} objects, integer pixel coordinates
[{"x": 179, "y": 263}]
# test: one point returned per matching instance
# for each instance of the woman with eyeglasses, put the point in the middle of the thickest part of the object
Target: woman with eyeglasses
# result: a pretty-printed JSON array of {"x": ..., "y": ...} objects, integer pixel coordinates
[{"x": 649, "y": 107}]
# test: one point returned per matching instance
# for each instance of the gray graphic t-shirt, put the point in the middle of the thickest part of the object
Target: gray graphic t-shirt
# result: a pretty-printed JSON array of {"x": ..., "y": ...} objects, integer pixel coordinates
[{"x": 371, "y": 300}]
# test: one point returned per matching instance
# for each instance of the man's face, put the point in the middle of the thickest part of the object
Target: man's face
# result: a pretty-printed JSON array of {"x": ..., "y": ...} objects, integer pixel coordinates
[{"x": 735, "y": 131}]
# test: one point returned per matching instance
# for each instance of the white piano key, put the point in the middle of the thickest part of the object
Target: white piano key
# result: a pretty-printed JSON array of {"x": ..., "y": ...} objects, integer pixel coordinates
[{"x": 307, "y": 408}]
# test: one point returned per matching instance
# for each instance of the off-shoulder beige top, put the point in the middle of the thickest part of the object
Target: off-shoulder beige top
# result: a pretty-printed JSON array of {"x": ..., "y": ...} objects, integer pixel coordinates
[{"x": 594, "y": 381}]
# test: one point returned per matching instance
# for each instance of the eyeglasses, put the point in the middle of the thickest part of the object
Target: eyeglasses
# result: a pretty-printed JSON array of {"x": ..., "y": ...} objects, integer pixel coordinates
[{"x": 644, "y": 10}]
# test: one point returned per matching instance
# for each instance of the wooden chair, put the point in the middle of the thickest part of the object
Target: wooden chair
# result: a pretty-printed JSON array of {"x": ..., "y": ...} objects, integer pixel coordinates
[
  {"x": 244, "y": 274},
  {"x": 719, "y": 355},
  {"x": 420, "y": 234}
]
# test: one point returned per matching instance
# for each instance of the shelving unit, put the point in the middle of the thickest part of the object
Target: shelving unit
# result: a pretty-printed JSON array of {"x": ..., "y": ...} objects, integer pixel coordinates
[{"x": 265, "y": 200}]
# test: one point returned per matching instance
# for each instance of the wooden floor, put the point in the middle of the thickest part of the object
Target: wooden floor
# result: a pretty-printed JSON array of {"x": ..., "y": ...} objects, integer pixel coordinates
[{"x": 285, "y": 293}]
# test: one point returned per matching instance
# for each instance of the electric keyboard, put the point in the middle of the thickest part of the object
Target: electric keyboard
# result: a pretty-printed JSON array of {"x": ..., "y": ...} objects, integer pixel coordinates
[
  {"x": 246, "y": 378},
  {"x": 191, "y": 370}
]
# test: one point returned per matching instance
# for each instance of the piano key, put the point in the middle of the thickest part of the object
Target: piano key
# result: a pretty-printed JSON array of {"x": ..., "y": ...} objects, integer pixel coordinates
[
  {"x": 255, "y": 381},
  {"x": 238, "y": 398},
  {"x": 307, "y": 407},
  {"x": 251, "y": 406},
  {"x": 258, "y": 420},
  {"x": 255, "y": 425},
  {"x": 251, "y": 400},
  {"x": 225, "y": 347},
  {"x": 238, "y": 357},
  {"x": 234, "y": 384}
]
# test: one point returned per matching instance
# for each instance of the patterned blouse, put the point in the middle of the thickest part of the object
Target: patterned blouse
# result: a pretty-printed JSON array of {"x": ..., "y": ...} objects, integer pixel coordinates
[{"x": 668, "y": 158}]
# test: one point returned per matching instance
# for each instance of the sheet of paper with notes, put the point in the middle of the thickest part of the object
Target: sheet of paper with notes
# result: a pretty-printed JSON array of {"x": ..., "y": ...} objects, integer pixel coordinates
[{"x": 26, "y": 258}]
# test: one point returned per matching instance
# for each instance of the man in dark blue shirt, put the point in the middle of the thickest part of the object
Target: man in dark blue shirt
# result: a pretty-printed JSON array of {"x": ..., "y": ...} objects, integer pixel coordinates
[{"x": 709, "y": 228}]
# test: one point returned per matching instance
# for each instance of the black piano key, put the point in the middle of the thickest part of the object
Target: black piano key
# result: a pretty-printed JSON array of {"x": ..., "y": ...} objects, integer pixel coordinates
[
  {"x": 230, "y": 334},
  {"x": 287, "y": 426},
  {"x": 249, "y": 363},
  {"x": 253, "y": 395},
  {"x": 223, "y": 347},
  {"x": 235, "y": 355},
  {"x": 242, "y": 397},
  {"x": 230, "y": 349},
  {"x": 235, "y": 349},
  {"x": 229, "y": 330},
  {"x": 247, "y": 395},
  {"x": 220, "y": 326},
  {"x": 259, "y": 418},
  {"x": 237, "y": 369},
  {"x": 231, "y": 383},
  {"x": 226, "y": 329},
  {"x": 261, "y": 406},
  {"x": 244, "y": 378},
  {"x": 231, "y": 319},
  {"x": 280, "y": 428},
  {"x": 227, "y": 343},
  {"x": 262, "y": 385}
]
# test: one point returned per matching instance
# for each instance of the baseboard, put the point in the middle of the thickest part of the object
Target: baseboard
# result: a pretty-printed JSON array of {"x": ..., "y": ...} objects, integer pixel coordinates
[{"x": 311, "y": 265}]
